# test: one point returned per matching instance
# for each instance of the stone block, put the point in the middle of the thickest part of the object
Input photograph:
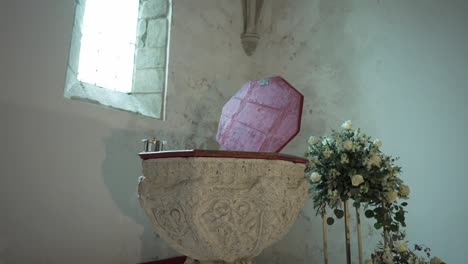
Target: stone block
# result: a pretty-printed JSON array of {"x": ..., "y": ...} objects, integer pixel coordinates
[
  {"x": 148, "y": 80},
  {"x": 154, "y": 9},
  {"x": 150, "y": 58},
  {"x": 141, "y": 29},
  {"x": 75, "y": 48},
  {"x": 79, "y": 14},
  {"x": 140, "y": 44},
  {"x": 149, "y": 104},
  {"x": 156, "y": 33}
]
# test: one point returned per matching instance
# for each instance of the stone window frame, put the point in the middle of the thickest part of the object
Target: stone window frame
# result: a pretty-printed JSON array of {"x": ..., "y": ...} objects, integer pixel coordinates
[{"x": 150, "y": 74}]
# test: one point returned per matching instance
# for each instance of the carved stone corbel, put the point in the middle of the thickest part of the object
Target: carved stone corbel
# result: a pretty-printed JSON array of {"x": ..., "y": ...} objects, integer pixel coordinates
[{"x": 251, "y": 10}]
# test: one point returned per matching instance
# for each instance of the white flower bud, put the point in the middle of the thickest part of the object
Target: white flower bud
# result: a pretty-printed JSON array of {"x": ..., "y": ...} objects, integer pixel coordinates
[
  {"x": 312, "y": 140},
  {"x": 348, "y": 125},
  {"x": 436, "y": 260},
  {"x": 348, "y": 145},
  {"x": 315, "y": 177},
  {"x": 401, "y": 246},
  {"x": 357, "y": 179},
  {"x": 391, "y": 196},
  {"x": 404, "y": 190},
  {"x": 378, "y": 143}
]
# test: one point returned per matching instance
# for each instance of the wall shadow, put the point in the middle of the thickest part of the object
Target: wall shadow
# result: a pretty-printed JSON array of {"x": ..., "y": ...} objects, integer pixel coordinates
[{"x": 121, "y": 169}]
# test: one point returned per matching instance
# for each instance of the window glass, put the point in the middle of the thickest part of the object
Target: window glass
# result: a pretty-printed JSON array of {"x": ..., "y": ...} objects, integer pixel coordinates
[{"x": 108, "y": 44}]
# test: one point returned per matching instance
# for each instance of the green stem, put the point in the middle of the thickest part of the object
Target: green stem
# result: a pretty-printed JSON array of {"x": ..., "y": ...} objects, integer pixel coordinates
[{"x": 386, "y": 227}]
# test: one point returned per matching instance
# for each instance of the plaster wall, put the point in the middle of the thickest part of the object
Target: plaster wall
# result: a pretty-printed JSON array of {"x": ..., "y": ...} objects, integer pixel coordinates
[
  {"x": 399, "y": 70},
  {"x": 69, "y": 169}
]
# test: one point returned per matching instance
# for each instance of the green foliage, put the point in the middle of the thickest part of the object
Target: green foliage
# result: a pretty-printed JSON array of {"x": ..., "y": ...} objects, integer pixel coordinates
[
  {"x": 338, "y": 213},
  {"x": 369, "y": 213},
  {"x": 348, "y": 165},
  {"x": 399, "y": 252}
]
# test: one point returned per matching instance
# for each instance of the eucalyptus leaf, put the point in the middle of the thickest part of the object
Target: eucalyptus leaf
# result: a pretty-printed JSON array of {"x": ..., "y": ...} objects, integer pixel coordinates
[
  {"x": 379, "y": 210},
  {"x": 330, "y": 220},
  {"x": 369, "y": 213},
  {"x": 378, "y": 225},
  {"x": 338, "y": 213}
]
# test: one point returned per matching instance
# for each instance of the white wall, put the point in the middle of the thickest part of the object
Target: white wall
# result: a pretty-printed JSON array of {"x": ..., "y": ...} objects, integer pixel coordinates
[
  {"x": 399, "y": 70},
  {"x": 69, "y": 169}
]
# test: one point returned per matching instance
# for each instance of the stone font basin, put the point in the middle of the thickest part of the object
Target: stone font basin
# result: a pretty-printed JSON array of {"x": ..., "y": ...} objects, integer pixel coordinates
[{"x": 224, "y": 206}]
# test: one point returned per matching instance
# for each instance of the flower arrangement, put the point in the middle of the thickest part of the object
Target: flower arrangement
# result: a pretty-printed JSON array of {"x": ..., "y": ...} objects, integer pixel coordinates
[
  {"x": 349, "y": 165},
  {"x": 401, "y": 253}
]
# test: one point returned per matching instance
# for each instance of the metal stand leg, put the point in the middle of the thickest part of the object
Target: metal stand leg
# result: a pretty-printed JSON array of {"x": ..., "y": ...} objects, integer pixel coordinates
[
  {"x": 347, "y": 235},
  {"x": 359, "y": 234},
  {"x": 325, "y": 239}
]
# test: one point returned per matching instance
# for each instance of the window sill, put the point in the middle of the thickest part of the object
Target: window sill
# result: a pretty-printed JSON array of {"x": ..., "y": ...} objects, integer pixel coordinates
[{"x": 146, "y": 104}]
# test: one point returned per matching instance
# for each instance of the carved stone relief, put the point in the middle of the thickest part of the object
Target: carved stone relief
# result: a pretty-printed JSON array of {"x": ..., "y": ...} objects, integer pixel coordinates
[{"x": 222, "y": 210}]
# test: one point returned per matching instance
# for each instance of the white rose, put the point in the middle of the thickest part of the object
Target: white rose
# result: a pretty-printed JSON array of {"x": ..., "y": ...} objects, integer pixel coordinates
[
  {"x": 436, "y": 260},
  {"x": 348, "y": 145},
  {"x": 347, "y": 125},
  {"x": 414, "y": 260},
  {"x": 312, "y": 140},
  {"x": 364, "y": 188},
  {"x": 401, "y": 246},
  {"x": 375, "y": 160},
  {"x": 391, "y": 196},
  {"x": 326, "y": 141},
  {"x": 327, "y": 153},
  {"x": 404, "y": 190},
  {"x": 378, "y": 143},
  {"x": 344, "y": 159},
  {"x": 357, "y": 179},
  {"x": 334, "y": 172},
  {"x": 387, "y": 257},
  {"x": 315, "y": 177}
]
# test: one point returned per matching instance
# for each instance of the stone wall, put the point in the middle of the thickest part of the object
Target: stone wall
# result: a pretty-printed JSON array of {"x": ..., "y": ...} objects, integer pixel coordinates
[
  {"x": 69, "y": 169},
  {"x": 398, "y": 70},
  {"x": 151, "y": 48},
  {"x": 73, "y": 198}
]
